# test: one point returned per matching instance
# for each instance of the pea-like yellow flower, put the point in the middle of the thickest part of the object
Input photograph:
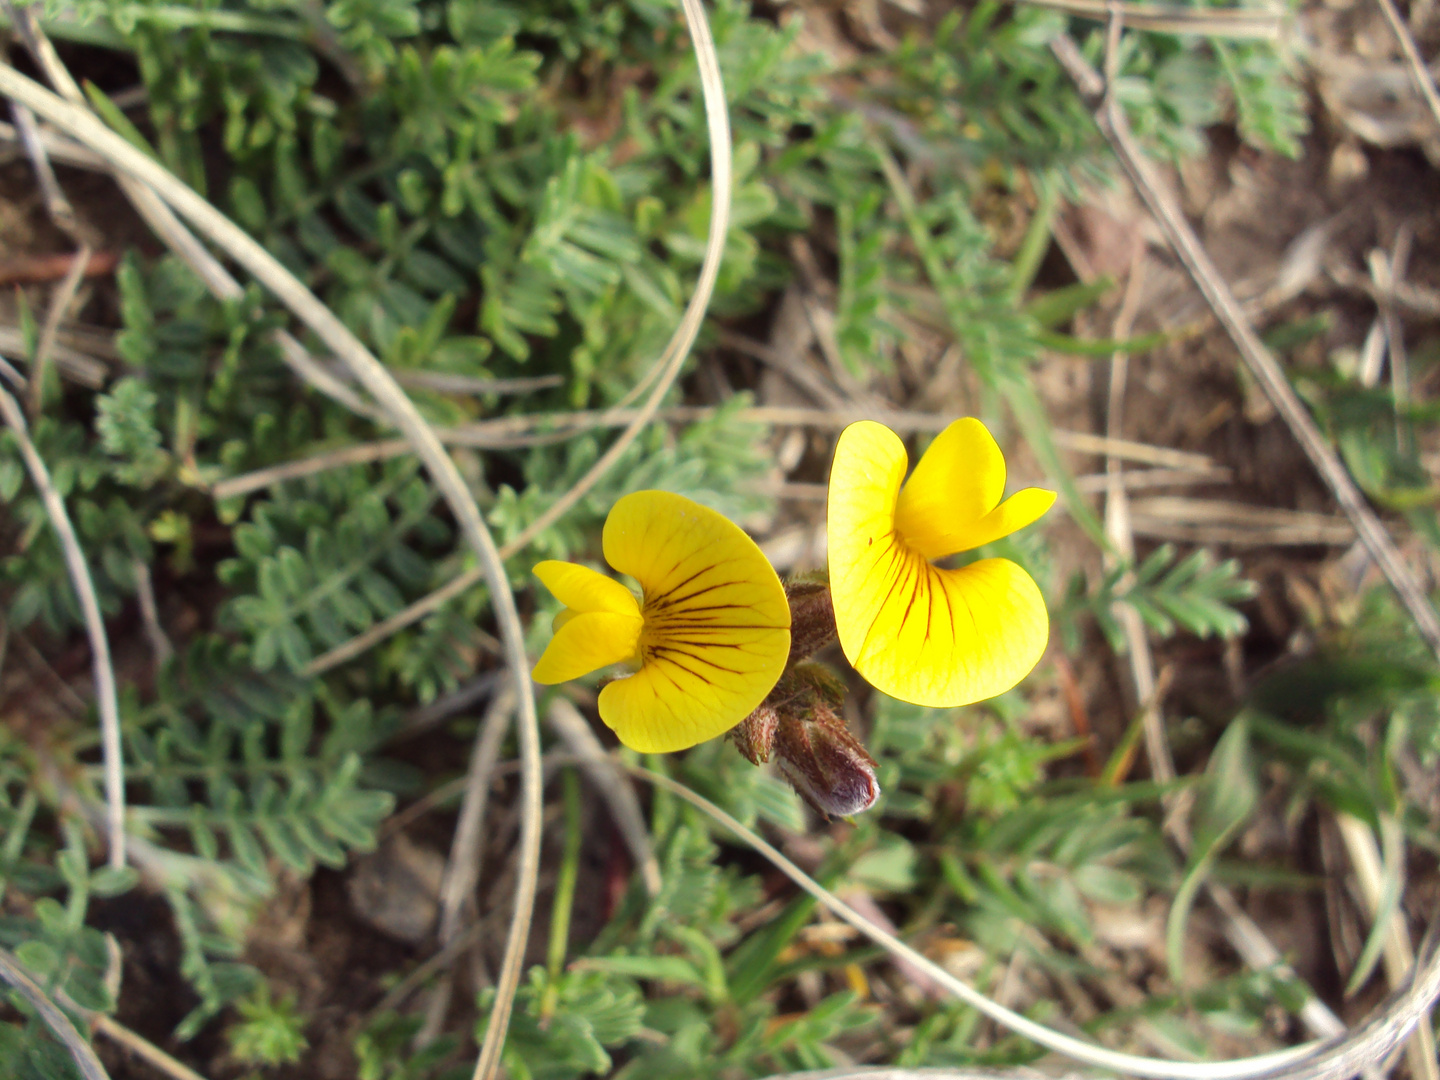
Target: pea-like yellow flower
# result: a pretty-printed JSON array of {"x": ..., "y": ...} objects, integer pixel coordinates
[
  {"x": 919, "y": 632},
  {"x": 706, "y": 643}
]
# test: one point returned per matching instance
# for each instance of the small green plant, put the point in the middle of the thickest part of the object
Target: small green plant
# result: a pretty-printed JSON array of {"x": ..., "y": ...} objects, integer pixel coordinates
[
  {"x": 1197, "y": 594},
  {"x": 269, "y": 1032}
]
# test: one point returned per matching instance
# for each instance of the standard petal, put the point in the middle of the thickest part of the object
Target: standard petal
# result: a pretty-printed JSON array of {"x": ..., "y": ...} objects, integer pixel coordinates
[
  {"x": 586, "y": 642},
  {"x": 951, "y": 637},
  {"x": 958, "y": 481},
  {"x": 865, "y": 477},
  {"x": 698, "y": 569},
  {"x": 717, "y": 624},
  {"x": 694, "y": 687},
  {"x": 582, "y": 589}
]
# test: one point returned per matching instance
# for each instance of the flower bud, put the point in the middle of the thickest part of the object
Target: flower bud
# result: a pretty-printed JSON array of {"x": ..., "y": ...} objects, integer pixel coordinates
[
  {"x": 824, "y": 762},
  {"x": 755, "y": 735}
]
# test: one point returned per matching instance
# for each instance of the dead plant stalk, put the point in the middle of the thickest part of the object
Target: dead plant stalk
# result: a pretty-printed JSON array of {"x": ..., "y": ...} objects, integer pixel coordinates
[{"x": 84, "y": 585}]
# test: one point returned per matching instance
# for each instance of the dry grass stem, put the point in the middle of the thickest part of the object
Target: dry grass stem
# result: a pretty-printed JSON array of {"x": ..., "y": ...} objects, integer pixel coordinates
[
  {"x": 1118, "y": 530},
  {"x": 788, "y": 363},
  {"x": 1218, "y": 521},
  {"x": 462, "y": 872},
  {"x": 10, "y": 375},
  {"x": 57, "y": 206},
  {"x": 57, "y": 148},
  {"x": 1414, "y": 62},
  {"x": 1399, "y": 955},
  {"x": 1238, "y": 23},
  {"x": 1405, "y": 294},
  {"x": 467, "y": 846},
  {"x": 518, "y": 431},
  {"x": 60, "y": 301},
  {"x": 575, "y": 732},
  {"x": 355, "y": 454},
  {"x": 1385, "y": 273},
  {"x": 15, "y": 975},
  {"x": 447, "y": 383},
  {"x": 141, "y": 1047},
  {"x": 1150, "y": 479},
  {"x": 150, "y": 613},
  {"x": 74, "y": 364},
  {"x": 1262, "y": 364},
  {"x": 1372, "y": 351},
  {"x": 104, "y": 672}
]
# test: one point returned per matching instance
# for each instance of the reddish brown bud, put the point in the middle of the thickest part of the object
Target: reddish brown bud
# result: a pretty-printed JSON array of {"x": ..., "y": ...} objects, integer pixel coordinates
[
  {"x": 755, "y": 735},
  {"x": 824, "y": 762}
]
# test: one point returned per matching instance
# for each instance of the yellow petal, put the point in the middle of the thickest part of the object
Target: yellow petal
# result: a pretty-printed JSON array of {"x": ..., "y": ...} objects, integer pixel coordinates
[
  {"x": 1023, "y": 508},
  {"x": 684, "y": 696},
  {"x": 717, "y": 624},
  {"x": 582, "y": 589},
  {"x": 865, "y": 477},
  {"x": 944, "y": 637},
  {"x": 586, "y": 642},
  {"x": 959, "y": 480}
]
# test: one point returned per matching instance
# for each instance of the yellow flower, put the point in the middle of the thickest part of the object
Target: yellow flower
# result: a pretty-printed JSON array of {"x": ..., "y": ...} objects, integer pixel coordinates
[
  {"x": 919, "y": 632},
  {"x": 705, "y": 645}
]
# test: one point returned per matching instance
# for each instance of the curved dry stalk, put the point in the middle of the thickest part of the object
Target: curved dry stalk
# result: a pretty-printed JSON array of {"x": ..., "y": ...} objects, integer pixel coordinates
[
  {"x": 401, "y": 411},
  {"x": 14, "y": 974},
  {"x": 106, "y": 700},
  {"x": 1076, "y": 1049},
  {"x": 104, "y": 1024},
  {"x": 1336, "y": 1059},
  {"x": 1364, "y": 855}
]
